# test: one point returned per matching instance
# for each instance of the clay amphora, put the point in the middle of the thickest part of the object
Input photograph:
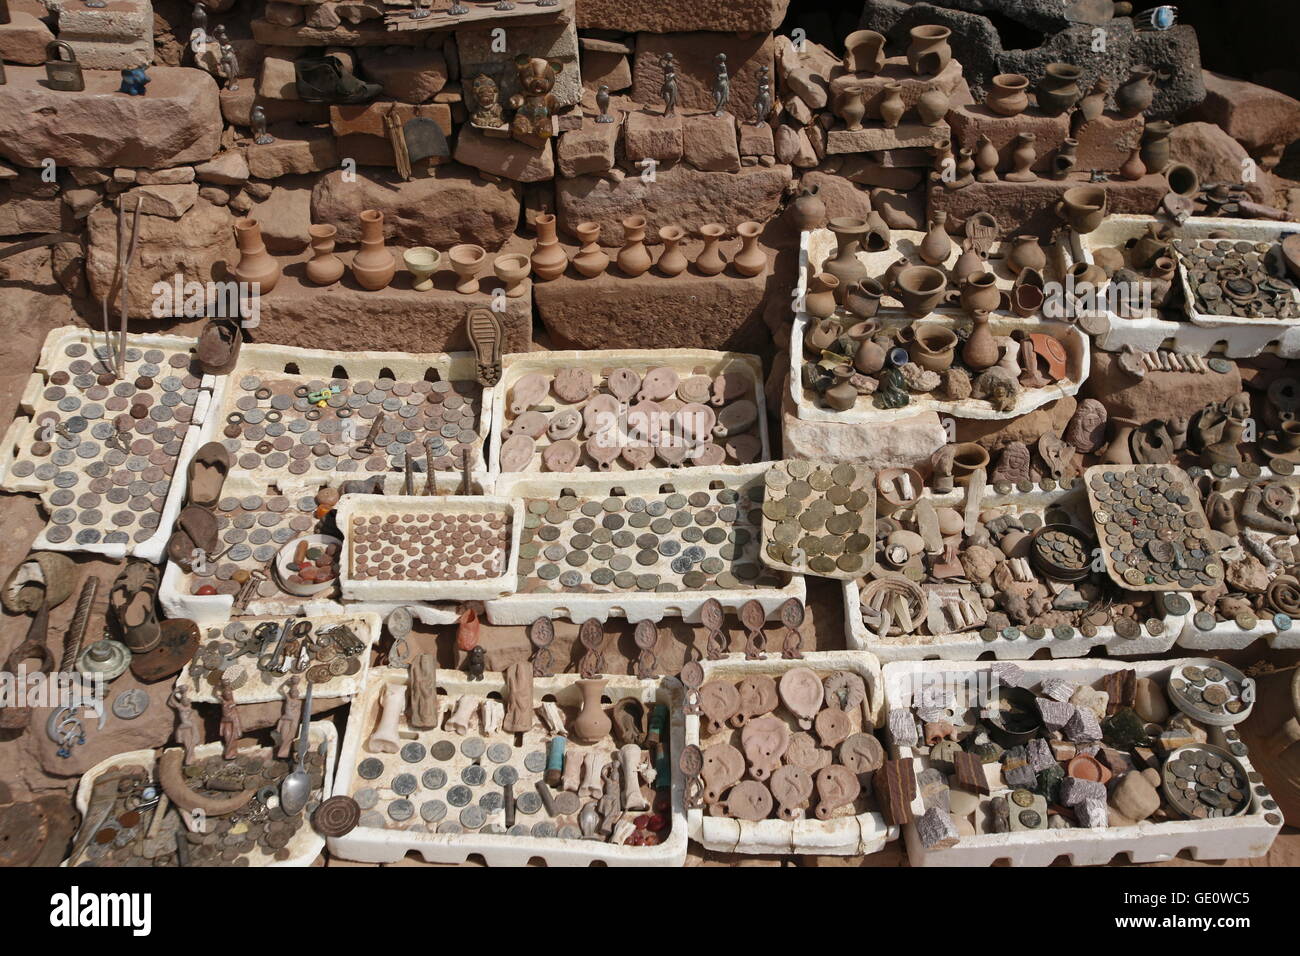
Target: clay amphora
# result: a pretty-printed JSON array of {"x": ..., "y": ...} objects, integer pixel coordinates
[
  {"x": 1058, "y": 90},
  {"x": 929, "y": 52},
  {"x": 920, "y": 289},
  {"x": 750, "y": 260},
  {"x": 710, "y": 261},
  {"x": 1136, "y": 95},
  {"x": 932, "y": 107},
  {"x": 980, "y": 351},
  {"x": 806, "y": 212},
  {"x": 844, "y": 265},
  {"x": 986, "y": 161},
  {"x": 934, "y": 347},
  {"x": 1083, "y": 208},
  {"x": 548, "y": 258},
  {"x": 979, "y": 292},
  {"x": 256, "y": 265},
  {"x": 936, "y": 246},
  {"x": 851, "y": 106},
  {"x": 1022, "y": 160},
  {"x": 373, "y": 266},
  {"x": 1025, "y": 253},
  {"x": 592, "y": 724},
  {"x": 324, "y": 267},
  {"x": 1155, "y": 145},
  {"x": 891, "y": 106},
  {"x": 819, "y": 301},
  {"x": 864, "y": 52},
  {"x": 633, "y": 259},
  {"x": 671, "y": 261},
  {"x": 591, "y": 260},
  {"x": 1008, "y": 94}
]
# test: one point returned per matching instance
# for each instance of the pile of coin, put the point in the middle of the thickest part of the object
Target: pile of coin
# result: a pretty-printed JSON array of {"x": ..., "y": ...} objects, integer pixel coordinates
[
  {"x": 683, "y": 540},
  {"x": 820, "y": 518},
  {"x": 274, "y": 422},
  {"x": 1060, "y": 552},
  {"x": 1210, "y": 692},
  {"x": 1204, "y": 782},
  {"x": 101, "y": 451},
  {"x": 1235, "y": 278},
  {"x": 1152, "y": 528},
  {"x": 251, "y": 531},
  {"x": 429, "y": 546}
]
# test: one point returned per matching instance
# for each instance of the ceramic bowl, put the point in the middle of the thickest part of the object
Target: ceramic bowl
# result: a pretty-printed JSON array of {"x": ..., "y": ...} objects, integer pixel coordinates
[{"x": 285, "y": 558}]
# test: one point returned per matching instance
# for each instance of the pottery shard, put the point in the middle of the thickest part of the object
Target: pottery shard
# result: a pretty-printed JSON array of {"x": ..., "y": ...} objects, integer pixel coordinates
[
  {"x": 694, "y": 54},
  {"x": 453, "y": 205},
  {"x": 227, "y": 169},
  {"x": 192, "y": 245},
  {"x": 668, "y": 16},
  {"x": 23, "y": 39},
  {"x": 588, "y": 149},
  {"x": 178, "y": 122},
  {"x": 296, "y": 150},
  {"x": 507, "y": 158},
  {"x": 1261, "y": 119},
  {"x": 710, "y": 142},
  {"x": 410, "y": 76}
]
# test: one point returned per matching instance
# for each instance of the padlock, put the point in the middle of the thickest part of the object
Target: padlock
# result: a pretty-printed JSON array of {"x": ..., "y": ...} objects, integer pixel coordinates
[{"x": 63, "y": 74}]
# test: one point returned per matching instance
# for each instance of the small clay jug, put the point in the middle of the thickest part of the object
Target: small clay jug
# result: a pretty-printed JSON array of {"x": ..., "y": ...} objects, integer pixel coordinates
[
  {"x": 980, "y": 351},
  {"x": 1094, "y": 104},
  {"x": 373, "y": 266},
  {"x": 890, "y": 279},
  {"x": 1133, "y": 168},
  {"x": 929, "y": 52},
  {"x": 592, "y": 724},
  {"x": 1025, "y": 253},
  {"x": 634, "y": 259},
  {"x": 864, "y": 52},
  {"x": 965, "y": 168},
  {"x": 1155, "y": 145},
  {"x": 969, "y": 263},
  {"x": 841, "y": 396},
  {"x": 844, "y": 265},
  {"x": 819, "y": 301},
  {"x": 1008, "y": 94},
  {"x": 891, "y": 106},
  {"x": 548, "y": 258},
  {"x": 591, "y": 260},
  {"x": 863, "y": 298},
  {"x": 1023, "y": 158},
  {"x": 986, "y": 160},
  {"x": 869, "y": 358},
  {"x": 750, "y": 260},
  {"x": 850, "y": 105},
  {"x": 1151, "y": 246},
  {"x": 1058, "y": 90},
  {"x": 807, "y": 212},
  {"x": 934, "y": 347},
  {"x": 1083, "y": 208},
  {"x": 1183, "y": 179},
  {"x": 256, "y": 265},
  {"x": 324, "y": 267},
  {"x": 672, "y": 262},
  {"x": 936, "y": 246},
  {"x": 932, "y": 107},
  {"x": 710, "y": 262},
  {"x": 980, "y": 293},
  {"x": 920, "y": 289},
  {"x": 1136, "y": 95}
]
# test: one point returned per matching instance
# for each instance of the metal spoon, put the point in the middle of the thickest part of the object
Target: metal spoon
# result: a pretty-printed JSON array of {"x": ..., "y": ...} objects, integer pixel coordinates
[{"x": 296, "y": 788}]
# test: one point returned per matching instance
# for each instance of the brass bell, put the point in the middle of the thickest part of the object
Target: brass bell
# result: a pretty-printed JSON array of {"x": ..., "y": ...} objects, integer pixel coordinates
[{"x": 60, "y": 73}]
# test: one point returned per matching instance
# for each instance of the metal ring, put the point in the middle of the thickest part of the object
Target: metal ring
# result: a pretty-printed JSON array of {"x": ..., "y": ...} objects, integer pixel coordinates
[
  {"x": 343, "y": 412},
  {"x": 312, "y": 414},
  {"x": 302, "y": 391},
  {"x": 274, "y": 415},
  {"x": 235, "y": 418},
  {"x": 1162, "y": 17},
  {"x": 263, "y": 393}
]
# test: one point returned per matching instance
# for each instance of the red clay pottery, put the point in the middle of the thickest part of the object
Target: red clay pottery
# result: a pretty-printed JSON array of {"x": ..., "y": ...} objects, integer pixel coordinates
[
  {"x": 1136, "y": 95},
  {"x": 373, "y": 266},
  {"x": 592, "y": 724},
  {"x": 1008, "y": 94},
  {"x": 672, "y": 261},
  {"x": 633, "y": 259},
  {"x": 864, "y": 52},
  {"x": 324, "y": 267},
  {"x": 255, "y": 265},
  {"x": 591, "y": 260},
  {"x": 929, "y": 52},
  {"x": 920, "y": 289},
  {"x": 710, "y": 261},
  {"x": 1058, "y": 90},
  {"x": 750, "y": 260},
  {"x": 548, "y": 258}
]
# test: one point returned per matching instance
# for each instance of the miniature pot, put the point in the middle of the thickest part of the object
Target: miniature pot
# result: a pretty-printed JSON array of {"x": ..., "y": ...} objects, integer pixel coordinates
[
  {"x": 819, "y": 301},
  {"x": 1135, "y": 96},
  {"x": 981, "y": 349},
  {"x": 1133, "y": 168},
  {"x": 324, "y": 267},
  {"x": 421, "y": 262},
  {"x": 1155, "y": 145},
  {"x": 750, "y": 260},
  {"x": 1023, "y": 158},
  {"x": 986, "y": 160},
  {"x": 373, "y": 266},
  {"x": 1119, "y": 451},
  {"x": 920, "y": 289},
  {"x": 869, "y": 357},
  {"x": 255, "y": 265},
  {"x": 512, "y": 270},
  {"x": 844, "y": 265},
  {"x": 1183, "y": 180},
  {"x": 968, "y": 458},
  {"x": 979, "y": 292},
  {"x": 932, "y": 107},
  {"x": 864, "y": 52},
  {"x": 1008, "y": 94},
  {"x": 466, "y": 258},
  {"x": 1058, "y": 90},
  {"x": 934, "y": 347},
  {"x": 548, "y": 258},
  {"x": 591, "y": 260},
  {"x": 936, "y": 246},
  {"x": 634, "y": 259},
  {"x": 1025, "y": 253},
  {"x": 863, "y": 298},
  {"x": 929, "y": 52},
  {"x": 1094, "y": 104},
  {"x": 842, "y": 396},
  {"x": 592, "y": 725},
  {"x": 891, "y": 107},
  {"x": 710, "y": 262},
  {"x": 1083, "y": 208},
  {"x": 671, "y": 261},
  {"x": 807, "y": 212},
  {"x": 850, "y": 105}
]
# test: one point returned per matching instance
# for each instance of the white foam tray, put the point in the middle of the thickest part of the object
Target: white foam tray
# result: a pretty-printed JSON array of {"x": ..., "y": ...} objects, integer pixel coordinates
[
  {"x": 1201, "y": 334},
  {"x": 305, "y": 845},
  {"x": 969, "y": 646},
  {"x": 364, "y": 506},
  {"x": 1230, "y": 838},
  {"x": 685, "y": 361},
  {"x": 1000, "y": 323},
  {"x": 857, "y": 835},
  {"x": 376, "y": 845},
  {"x": 520, "y": 608},
  {"x": 21, "y": 430}
]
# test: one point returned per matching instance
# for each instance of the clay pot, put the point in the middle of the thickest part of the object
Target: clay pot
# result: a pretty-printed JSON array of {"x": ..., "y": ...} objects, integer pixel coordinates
[
  {"x": 421, "y": 262},
  {"x": 869, "y": 357},
  {"x": 255, "y": 265},
  {"x": 850, "y": 105},
  {"x": 920, "y": 289},
  {"x": 934, "y": 347},
  {"x": 1025, "y": 253},
  {"x": 671, "y": 261},
  {"x": 929, "y": 52},
  {"x": 986, "y": 160},
  {"x": 1083, "y": 208},
  {"x": 979, "y": 292},
  {"x": 864, "y": 52},
  {"x": 373, "y": 266},
  {"x": 932, "y": 107},
  {"x": 324, "y": 268},
  {"x": 936, "y": 246},
  {"x": 1151, "y": 246},
  {"x": 1136, "y": 95},
  {"x": 1094, "y": 104},
  {"x": 841, "y": 396},
  {"x": 750, "y": 260},
  {"x": 1163, "y": 268},
  {"x": 807, "y": 212},
  {"x": 1133, "y": 168},
  {"x": 592, "y": 724},
  {"x": 819, "y": 301},
  {"x": 591, "y": 260},
  {"x": 1023, "y": 158},
  {"x": 891, "y": 107},
  {"x": 710, "y": 262},
  {"x": 634, "y": 259},
  {"x": 844, "y": 265},
  {"x": 1091, "y": 273},
  {"x": 1155, "y": 145},
  {"x": 1183, "y": 180},
  {"x": 969, "y": 263},
  {"x": 1008, "y": 94},
  {"x": 1119, "y": 451},
  {"x": 512, "y": 270},
  {"x": 1058, "y": 90},
  {"x": 980, "y": 350},
  {"x": 1066, "y": 158},
  {"x": 863, "y": 298},
  {"x": 890, "y": 279},
  {"x": 548, "y": 258},
  {"x": 466, "y": 258},
  {"x": 968, "y": 458},
  {"x": 820, "y": 335}
]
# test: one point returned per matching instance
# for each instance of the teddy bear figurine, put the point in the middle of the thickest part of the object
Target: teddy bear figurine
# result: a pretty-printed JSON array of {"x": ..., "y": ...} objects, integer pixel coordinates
[{"x": 535, "y": 104}]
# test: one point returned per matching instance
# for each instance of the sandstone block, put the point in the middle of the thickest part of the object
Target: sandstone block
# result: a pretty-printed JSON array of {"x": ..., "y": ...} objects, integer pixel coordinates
[
  {"x": 587, "y": 150},
  {"x": 296, "y": 150},
  {"x": 709, "y": 142},
  {"x": 651, "y": 136},
  {"x": 508, "y": 158},
  {"x": 24, "y": 39},
  {"x": 694, "y": 54}
]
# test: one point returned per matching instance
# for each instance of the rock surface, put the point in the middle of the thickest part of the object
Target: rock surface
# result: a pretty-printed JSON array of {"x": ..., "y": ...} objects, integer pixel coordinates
[
  {"x": 694, "y": 54},
  {"x": 907, "y": 442},
  {"x": 1261, "y": 119},
  {"x": 670, "y": 16},
  {"x": 1157, "y": 396}
]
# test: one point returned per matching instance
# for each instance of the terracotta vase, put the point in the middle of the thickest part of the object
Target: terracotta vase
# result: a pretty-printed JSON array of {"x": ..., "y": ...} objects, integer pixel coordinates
[
  {"x": 1058, "y": 90},
  {"x": 819, "y": 301},
  {"x": 421, "y": 262},
  {"x": 1025, "y": 253},
  {"x": 891, "y": 106},
  {"x": 980, "y": 351},
  {"x": 548, "y": 258},
  {"x": 1133, "y": 168},
  {"x": 255, "y": 265},
  {"x": 980, "y": 293},
  {"x": 1155, "y": 145},
  {"x": 850, "y": 105},
  {"x": 920, "y": 289},
  {"x": 965, "y": 167},
  {"x": 592, "y": 724},
  {"x": 1183, "y": 179},
  {"x": 807, "y": 212},
  {"x": 750, "y": 260},
  {"x": 869, "y": 357},
  {"x": 932, "y": 107},
  {"x": 1023, "y": 158},
  {"x": 841, "y": 396},
  {"x": 634, "y": 259},
  {"x": 671, "y": 261},
  {"x": 1094, "y": 104},
  {"x": 1154, "y": 244},
  {"x": 591, "y": 260},
  {"x": 1136, "y": 95},
  {"x": 373, "y": 266},
  {"x": 986, "y": 160},
  {"x": 1083, "y": 208},
  {"x": 864, "y": 52},
  {"x": 710, "y": 262},
  {"x": 933, "y": 347},
  {"x": 844, "y": 265},
  {"x": 936, "y": 246},
  {"x": 1119, "y": 451},
  {"x": 1008, "y": 94},
  {"x": 929, "y": 52},
  {"x": 324, "y": 267}
]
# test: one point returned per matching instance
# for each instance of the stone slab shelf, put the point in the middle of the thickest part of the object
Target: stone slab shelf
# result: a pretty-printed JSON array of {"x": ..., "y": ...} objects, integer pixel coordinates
[
  {"x": 397, "y": 17},
  {"x": 345, "y": 317},
  {"x": 1104, "y": 144},
  {"x": 875, "y": 136}
]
